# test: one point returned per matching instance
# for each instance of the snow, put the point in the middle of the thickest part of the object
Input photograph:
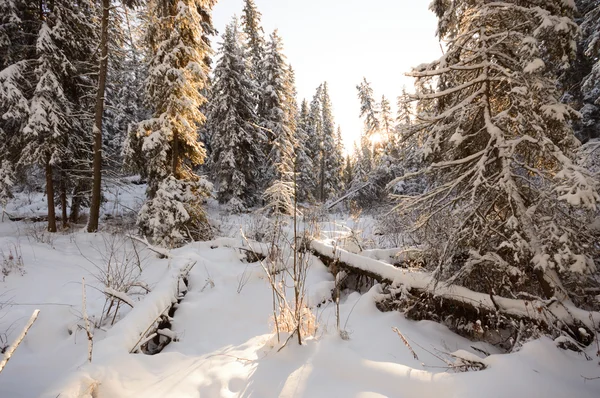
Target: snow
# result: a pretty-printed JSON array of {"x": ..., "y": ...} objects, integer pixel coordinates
[
  {"x": 225, "y": 346},
  {"x": 534, "y": 66}
]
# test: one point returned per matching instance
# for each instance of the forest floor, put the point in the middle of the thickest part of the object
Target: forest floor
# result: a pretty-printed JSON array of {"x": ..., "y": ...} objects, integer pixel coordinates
[{"x": 226, "y": 345}]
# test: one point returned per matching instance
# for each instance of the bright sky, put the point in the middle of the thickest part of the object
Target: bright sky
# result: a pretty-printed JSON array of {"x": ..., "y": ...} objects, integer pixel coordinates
[{"x": 340, "y": 41}]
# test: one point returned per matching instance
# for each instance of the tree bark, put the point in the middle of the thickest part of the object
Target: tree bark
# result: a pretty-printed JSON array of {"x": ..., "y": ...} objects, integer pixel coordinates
[
  {"x": 322, "y": 178},
  {"x": 99, "y": 111},
  {"x": 76, "y": 202},
  {"x": 50, "y": 195},
  {"x": 63, "y": 201}
]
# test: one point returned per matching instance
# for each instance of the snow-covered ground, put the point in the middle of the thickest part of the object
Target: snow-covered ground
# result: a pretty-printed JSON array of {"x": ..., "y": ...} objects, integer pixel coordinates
[{"x": 226, "y": 344}]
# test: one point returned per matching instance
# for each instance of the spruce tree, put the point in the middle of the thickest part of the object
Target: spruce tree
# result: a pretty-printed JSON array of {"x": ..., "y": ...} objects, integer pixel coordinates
[
  {"x": 56, "y": 126},
  {"x": 280, "y": 111},
  {"x": 305, "y": 159},
  {"x": 368, "y": 108},
  {"x": 124, "y": 102},
  {"x": 19, "y": 24},
  {"x": 339, "y": 161},
  {"x": 348, "y": 172},
  {"x": 500, "y": 212},
  {"x": 329, "y": 180},
  {"x": 276, "y": 120},
  {"x": 177, "y": 38},
  {"x": 590, "y": 85},
  {"x": 105, "y": 23},
  {"x": 255, "y": 40},
  {"x": 236, "y": 141},
  {"x": 314, "y": 133},
  {"x": 298, "y": 120},
  {"x": 388, "y": 130}
]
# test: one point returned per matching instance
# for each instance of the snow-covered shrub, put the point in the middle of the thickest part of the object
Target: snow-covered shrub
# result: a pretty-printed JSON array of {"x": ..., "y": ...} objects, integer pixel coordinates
[
  {"x": 119, "y": 273},
  {"x": 6, "y": 181},
  {"x": 391, "y": 231},
  {"x": 258, "y": 228},
  {"x": 12, "y": 260},
  {"x": 286, "y": 320},
  {"x": 174, "y": 216},
  {"x": 280, "y": 197},
  {"x": 38, "y": 232}
]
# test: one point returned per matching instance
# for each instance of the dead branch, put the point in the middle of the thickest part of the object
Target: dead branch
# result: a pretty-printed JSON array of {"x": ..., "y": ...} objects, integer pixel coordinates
[
  {"x": 9, "y": 353},
  {"x": 86, "y": 321},
  {"x": 406, "y": 343}
]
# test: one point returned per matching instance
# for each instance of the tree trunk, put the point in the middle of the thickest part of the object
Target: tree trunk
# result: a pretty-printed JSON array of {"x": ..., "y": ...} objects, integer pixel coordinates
[
  {"x": 76, "y": 202},
  {"x": 50, "y": 195},
  {"x": 99, "y": 111},
  {"x": 63, "y": 201},
  {"x": 322, "y": 179}
]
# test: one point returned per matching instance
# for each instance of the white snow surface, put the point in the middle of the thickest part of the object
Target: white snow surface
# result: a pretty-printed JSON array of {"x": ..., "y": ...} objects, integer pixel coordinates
[{"x": 226, "y": 346}]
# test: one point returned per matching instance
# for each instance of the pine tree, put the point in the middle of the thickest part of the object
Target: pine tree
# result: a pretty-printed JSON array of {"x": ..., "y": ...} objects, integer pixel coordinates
[
  {"x": 236, "y": 141},
  {"x": 498, "y": 147},
  {"x": 177, "y": 39}
]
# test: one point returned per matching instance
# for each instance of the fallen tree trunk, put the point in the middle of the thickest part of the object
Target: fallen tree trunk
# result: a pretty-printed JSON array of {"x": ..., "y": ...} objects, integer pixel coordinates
[
  {"x": 498, "y": 320},
  {"x": 42, "y": 218}
]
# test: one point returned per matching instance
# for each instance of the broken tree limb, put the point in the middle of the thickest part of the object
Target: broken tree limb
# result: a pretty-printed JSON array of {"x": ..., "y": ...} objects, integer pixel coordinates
[
  {"x": 348, "y": 194},
  {"x": 9, "y": 353},
  {"x": 114, "y": 294},
  {"x": 162, "y": 253},
  {"x": 86, "y": 321},
  {"x": 473, "y": 314}
]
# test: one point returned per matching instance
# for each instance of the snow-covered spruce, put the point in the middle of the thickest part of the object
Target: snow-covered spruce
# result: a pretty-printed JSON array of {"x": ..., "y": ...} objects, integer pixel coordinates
[
  {"x": 175, "y": 215},
  {"x": 165, "y": 148},
  {"x": 508, "y": 209},
  {"x": 57, "y": 133},
  {"x": 236, "y": 141}
]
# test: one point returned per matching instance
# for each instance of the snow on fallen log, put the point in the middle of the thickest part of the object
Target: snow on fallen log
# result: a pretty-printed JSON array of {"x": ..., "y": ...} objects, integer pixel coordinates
[
  {"x": 127, "y": 334},
  {"x": 393, "y": 256},
  {"x": 419, "y": 284}
]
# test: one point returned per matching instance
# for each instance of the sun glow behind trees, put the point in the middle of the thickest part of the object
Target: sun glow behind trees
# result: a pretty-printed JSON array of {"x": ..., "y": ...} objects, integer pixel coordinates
[{"x": 322, "y": 46}]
